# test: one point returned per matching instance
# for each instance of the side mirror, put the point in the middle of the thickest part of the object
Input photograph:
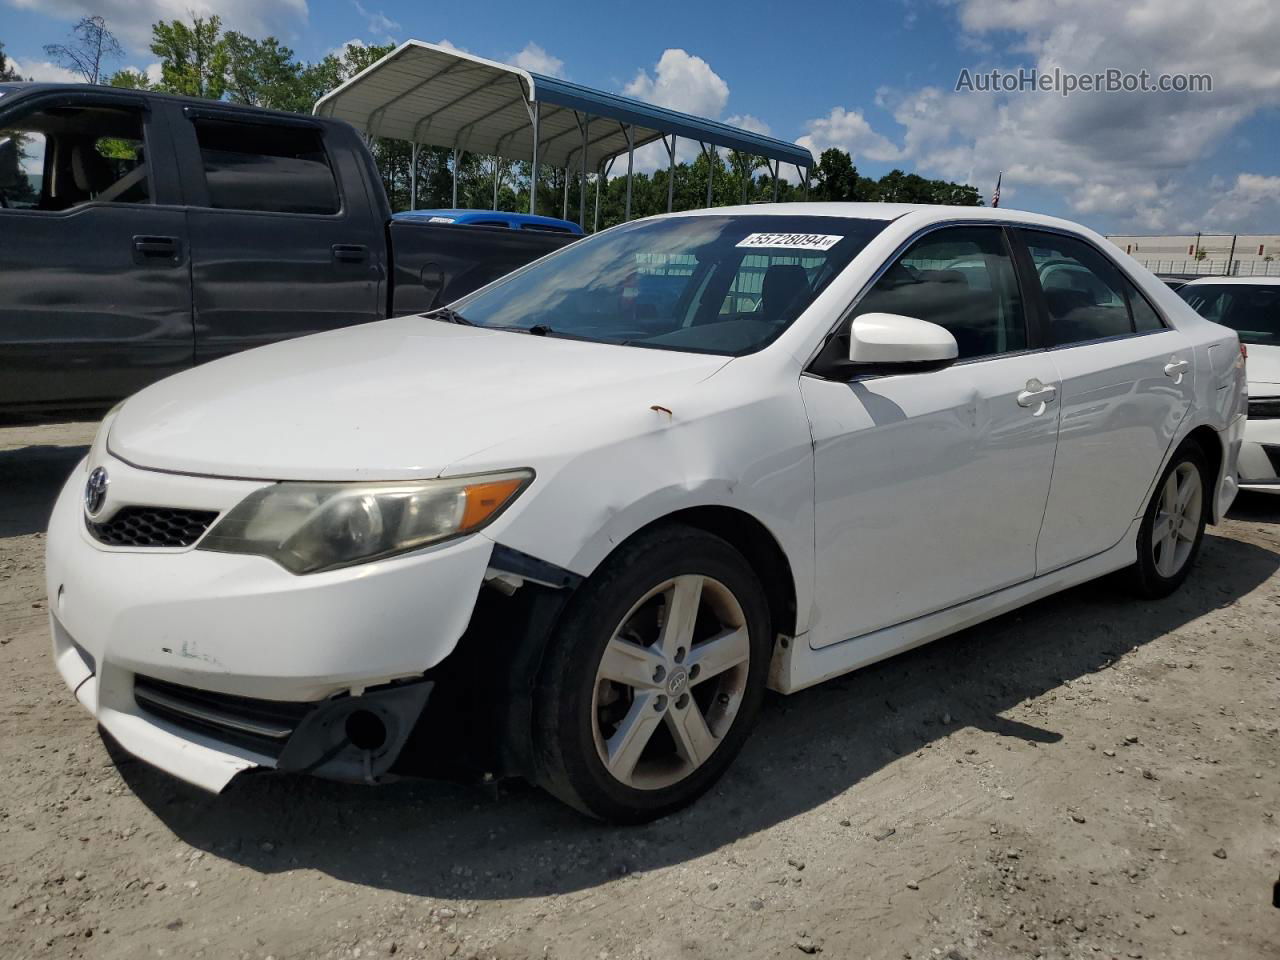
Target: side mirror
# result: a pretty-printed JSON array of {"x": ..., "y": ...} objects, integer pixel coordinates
[{"x": 891, "y": 343}]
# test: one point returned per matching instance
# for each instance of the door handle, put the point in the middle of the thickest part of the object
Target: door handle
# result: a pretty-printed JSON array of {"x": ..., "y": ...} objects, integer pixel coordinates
[
  {"x": 350, "y": 252},
  {"x": 1176, "y": 368},
  {"x": 146, "y": 248},
  {"x": 1037, "y": 394}
]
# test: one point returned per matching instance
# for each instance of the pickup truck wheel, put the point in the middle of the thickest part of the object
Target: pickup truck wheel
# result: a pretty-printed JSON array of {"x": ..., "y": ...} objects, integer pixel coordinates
[
  {"x": 654, "y": 677},
  {"x": 1172, "y": 529}
]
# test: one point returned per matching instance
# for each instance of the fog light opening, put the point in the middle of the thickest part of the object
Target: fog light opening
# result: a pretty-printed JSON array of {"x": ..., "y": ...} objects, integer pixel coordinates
[{"x": 365, "y": 730}]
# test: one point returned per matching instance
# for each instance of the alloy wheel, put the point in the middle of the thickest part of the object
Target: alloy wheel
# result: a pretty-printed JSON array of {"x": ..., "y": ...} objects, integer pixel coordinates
[
  {"x": 1177, "y": 521},
  {"x": 670, "y": 682}
]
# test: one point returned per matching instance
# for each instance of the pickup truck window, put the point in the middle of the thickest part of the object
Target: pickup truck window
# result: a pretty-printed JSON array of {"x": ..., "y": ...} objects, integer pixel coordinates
[
  {"x": 256, "y": 166},
  {"x": 59, "y": 157}
]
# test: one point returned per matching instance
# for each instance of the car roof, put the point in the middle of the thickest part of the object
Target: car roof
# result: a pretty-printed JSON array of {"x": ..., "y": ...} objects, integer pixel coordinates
[
  {"x": 1255, "y": 281},
  {"x": 886, "y": 212}
]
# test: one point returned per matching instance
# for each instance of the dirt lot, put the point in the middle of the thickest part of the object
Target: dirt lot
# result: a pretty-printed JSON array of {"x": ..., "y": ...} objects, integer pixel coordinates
[{"x": 1089, "y": 777}]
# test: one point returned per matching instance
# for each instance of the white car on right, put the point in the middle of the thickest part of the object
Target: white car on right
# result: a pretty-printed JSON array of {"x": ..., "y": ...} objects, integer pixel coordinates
[{"x": 1251, "y": 307}]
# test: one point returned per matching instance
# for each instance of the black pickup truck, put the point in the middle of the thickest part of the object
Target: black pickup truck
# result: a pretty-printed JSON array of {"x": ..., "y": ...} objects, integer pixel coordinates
[{"x": 142, "y": 233}]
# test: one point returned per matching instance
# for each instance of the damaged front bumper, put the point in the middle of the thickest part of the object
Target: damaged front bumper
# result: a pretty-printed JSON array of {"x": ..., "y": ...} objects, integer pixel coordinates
[{"x": 207, "y": 664}]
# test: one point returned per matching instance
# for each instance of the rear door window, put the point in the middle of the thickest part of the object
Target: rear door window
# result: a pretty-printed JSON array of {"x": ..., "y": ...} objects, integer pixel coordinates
[
  {"x": 262, "y": 167},
  {"x": 1085, "y": 295}
]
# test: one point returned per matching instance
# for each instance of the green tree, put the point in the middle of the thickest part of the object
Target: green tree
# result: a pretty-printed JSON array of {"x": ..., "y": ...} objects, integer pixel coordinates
[
  {"x": 193, "y": 56},
  {"x": 91, "y": 44},
  {"x": 836, "y": 178},
  {"x": 130, "y": 79},
  {"x": 264, "y": 73},
  {"x": 7, "y": 72}
]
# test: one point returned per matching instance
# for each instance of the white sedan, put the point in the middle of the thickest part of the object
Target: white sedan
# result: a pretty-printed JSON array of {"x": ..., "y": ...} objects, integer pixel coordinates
[
  {"x": 572, "y": 527},
  {"x": 1251, "y": 307}
]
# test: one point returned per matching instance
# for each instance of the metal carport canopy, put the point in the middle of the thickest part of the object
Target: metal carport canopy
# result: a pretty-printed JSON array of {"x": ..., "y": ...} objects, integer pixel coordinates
[{"x": 429, "y": 94}]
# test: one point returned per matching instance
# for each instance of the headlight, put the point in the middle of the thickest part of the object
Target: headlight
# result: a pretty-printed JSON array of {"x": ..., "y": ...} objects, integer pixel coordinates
[{"x": 308, "y": 527}]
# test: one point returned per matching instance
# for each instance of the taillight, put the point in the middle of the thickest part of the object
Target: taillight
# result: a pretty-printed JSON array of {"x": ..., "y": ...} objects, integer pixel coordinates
[{"x": 1244, "y": 352}]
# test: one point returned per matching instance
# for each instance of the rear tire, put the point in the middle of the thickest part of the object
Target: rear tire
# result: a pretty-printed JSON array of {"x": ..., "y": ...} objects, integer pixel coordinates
[
  {"x": 1172, "y": 530},
  {"x": 654, "y": 677}
]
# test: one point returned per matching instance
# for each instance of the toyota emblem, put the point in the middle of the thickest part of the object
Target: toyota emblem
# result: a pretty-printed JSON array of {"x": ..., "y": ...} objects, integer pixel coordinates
[{"x": 95, "y": 491}]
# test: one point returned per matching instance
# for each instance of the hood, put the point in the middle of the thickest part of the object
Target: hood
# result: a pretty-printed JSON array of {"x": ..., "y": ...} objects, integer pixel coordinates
[
  {"x": 1263, "y": 367},
  {"x": 392, "y": 400}
]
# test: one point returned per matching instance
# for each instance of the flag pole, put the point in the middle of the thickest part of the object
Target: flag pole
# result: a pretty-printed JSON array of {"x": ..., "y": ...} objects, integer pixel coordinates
[{"x": 995, "y": 197}]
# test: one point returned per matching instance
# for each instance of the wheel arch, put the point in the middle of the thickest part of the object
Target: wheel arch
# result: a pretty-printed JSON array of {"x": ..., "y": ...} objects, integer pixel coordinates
[
  {"x": 750, "y": 537},
  {"x": 1211, "y": 442}
]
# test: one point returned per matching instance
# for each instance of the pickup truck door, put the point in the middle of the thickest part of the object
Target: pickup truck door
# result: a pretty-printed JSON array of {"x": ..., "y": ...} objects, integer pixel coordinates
[
  {"x": 95, "y": 294},
  {"x": 284, "y": 237}
]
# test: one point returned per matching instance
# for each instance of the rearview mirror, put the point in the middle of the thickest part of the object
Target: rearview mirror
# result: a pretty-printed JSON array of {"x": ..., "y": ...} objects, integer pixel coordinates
[{"x": 891, "y": 343}]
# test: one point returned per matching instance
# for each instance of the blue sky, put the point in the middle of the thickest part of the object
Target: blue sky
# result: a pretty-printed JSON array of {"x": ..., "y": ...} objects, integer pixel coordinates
[{"x": 875, "y": 79}]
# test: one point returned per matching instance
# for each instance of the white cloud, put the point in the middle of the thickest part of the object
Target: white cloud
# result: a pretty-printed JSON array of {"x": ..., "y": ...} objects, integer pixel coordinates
[
  {"x": 1251, "y": 205},
  {"x": 131, "y": 20},
  {"x": 682, "y": 82},
  {"x": 1114, "y": 157},
  {"x": 536, "y": 60},
  {"x": 380, "y": 25},
  {"x": 849, "y": 130},
  {"x": 45, "y": 72},
  {"x": 341, "y": 49},
  {"x": 749, "y": 122}
]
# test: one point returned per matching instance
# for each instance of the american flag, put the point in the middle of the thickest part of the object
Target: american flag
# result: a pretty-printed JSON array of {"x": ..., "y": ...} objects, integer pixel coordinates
[{"x": 995, "y": 197}]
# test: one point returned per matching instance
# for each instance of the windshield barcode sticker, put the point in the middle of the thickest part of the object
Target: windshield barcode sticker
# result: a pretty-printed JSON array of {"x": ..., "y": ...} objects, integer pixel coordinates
[{"x": 791, "y": 241}]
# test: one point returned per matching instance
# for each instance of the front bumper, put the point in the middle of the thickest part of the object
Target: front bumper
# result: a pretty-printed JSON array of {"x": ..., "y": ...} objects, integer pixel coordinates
[{"x": 237, "y": 626}]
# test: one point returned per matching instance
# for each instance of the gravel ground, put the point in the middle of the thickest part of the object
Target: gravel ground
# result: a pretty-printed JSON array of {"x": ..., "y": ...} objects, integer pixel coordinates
[{"x": 1087, "y": 777}]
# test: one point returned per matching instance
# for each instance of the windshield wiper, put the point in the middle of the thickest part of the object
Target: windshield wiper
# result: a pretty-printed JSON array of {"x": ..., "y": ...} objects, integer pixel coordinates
[{"x": 447, "y": 315}]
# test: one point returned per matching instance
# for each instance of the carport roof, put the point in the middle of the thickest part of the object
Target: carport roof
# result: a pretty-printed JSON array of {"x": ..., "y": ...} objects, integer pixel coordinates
[{"x": 436, "y": 95}]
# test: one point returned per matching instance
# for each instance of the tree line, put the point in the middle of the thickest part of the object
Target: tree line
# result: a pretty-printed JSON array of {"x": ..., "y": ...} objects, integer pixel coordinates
[{"x": 198, "y": 58}]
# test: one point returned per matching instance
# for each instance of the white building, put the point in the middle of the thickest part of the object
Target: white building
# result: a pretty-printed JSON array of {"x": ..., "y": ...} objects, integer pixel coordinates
[{"x": 1240, "y": 254}]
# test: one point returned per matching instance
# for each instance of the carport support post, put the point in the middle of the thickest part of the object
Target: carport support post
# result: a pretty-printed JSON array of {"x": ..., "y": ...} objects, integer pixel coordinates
[
  {"x": 534, "y": 113},
  {"x": 564, "y": 212},
  {"x": 631, "y": 157},
  {"x": 777, "y": 169},
  {"x": 497, "y": 165},
  {"x": 455, "y": 178},
  {"x": 710, "y": 172},
  {"x": 671, "y": 171},
  {"x": 413, "y": 177},
  {"x": 582, "y": 180}
]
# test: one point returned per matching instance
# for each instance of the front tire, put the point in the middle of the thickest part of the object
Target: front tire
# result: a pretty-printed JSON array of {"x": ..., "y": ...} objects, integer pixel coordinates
[
  {"x": 654, "y": 677},
  {"x": 1172, "y": 530}
]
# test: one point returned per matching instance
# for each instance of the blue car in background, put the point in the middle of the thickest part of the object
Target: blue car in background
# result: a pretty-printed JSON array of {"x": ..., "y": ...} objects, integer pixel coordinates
[{"x": 493, "y": 218}]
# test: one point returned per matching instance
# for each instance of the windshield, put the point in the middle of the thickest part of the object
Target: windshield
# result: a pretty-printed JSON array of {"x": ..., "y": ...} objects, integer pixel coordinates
[
  {"x": 712, "y": 284},
  {"x": 1253, "y": 311}
]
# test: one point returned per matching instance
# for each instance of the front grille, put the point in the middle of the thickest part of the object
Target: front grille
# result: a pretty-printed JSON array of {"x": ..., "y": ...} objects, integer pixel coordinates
[
  {"x": 1264, "y": 408},
  {"x": 152, "y": 527},
  {"x": 261, "y": 725}
]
